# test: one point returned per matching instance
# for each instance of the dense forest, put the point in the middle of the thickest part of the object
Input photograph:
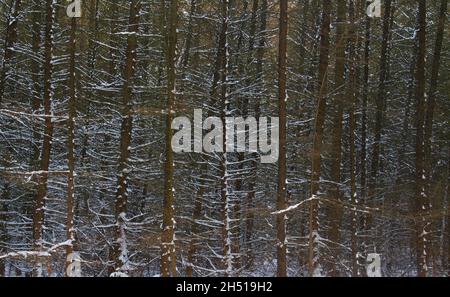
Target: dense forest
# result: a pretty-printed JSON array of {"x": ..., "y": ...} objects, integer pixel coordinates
[{"x": 90, "y": 184}]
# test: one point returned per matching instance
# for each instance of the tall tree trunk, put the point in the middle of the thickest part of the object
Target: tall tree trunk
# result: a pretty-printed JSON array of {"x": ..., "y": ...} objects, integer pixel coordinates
[
  {"x": 198, "y": 202},
  {"x": 336, "y": 148},
  {"x": 120, "y": 254},
  {"x": 249, "y": 216},
  {"x": 282, "y": 114},
  {"x": 243, "y": 163},
  {"x": 431, "y": 103},
  {"x": 362, "y": 228},
  {"x": 242, "y": 109},
  {"x": 380, "y": 101},
  {"x": 38, "y": 220},
  {"x": 36, "y": 89},
  {"x": 313, "y": 264},
  {"x": 226, "y": 207},
  {"x": 352, "y": 94},
  {"x": 70, "y": 227},
  {"x": 168, "y": 255},
  {"x": 422, "y": 200}
]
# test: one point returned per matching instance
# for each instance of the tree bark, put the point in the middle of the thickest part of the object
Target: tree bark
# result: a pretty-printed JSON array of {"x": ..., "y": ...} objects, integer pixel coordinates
[
  {"x": 36, "y": 90},
  {"x": 431, "y": 104},
  {"x": 282, "y": 114},
  {"x": 380, "y": 102},
  {"x": 38, "y": 220},
  {"x": 422, "y": 200},
  {"x": 168, "y": 255},
  {"x": 120, "y": 253},
  {"x": 313, "y": 249},
  {"x": 352, "y": 94},
  {"x": 362, "y": 228},
  {"x": 249, "y": 216},
  {"x": 70, "y": 227},
  {"x": 226, "y": 207},
  {"x": 336, "y": 148}
]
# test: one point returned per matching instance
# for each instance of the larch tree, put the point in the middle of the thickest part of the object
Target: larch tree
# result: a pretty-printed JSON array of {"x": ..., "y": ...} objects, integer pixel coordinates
[
  {"x": 336, "y": 149},
  {"x": 422, "y": 203},
  {"x": 223, "y": 98},
  {"x": 363, "y": 221},
  {"x": 282, "y": 114},
  {"x": 72, "y": 114},
  {"x": 43, "y": 174},
  {"x": 168, "y": 253},
  {"x": 121, "y": 264},
  {"x": 380, "y": 102},
  {"x": 314, "y": 266}
]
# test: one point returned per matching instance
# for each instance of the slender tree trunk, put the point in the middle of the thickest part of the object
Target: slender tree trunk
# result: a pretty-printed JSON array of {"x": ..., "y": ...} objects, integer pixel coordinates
[
  {"x": 70, "y": 227},
  {"x": 381, "y": 98},
  {"x": 38, "y": 220},
  {"x": 244, "y": 165},
  {"x": 120, "y": 254},
  {"x": 362, "y": 228},
  {"x": 422, "y": 200},
  {"x": 36, "y": 90},
  {"x": 352, "y": 94},
  {"x": 336, "y": 149},
  {"x": 249, "y": 217},
  {"x": 198, "y": 203},
  {"x": 313, "y": 264},
  {"x": 242, "y": 107},
  {"x": 431, "y": 103},
  {"x": 282, "y": 114},
  {"x": 226, "y": 207},
  {"x": 85, "y": 104},
  {"x": 168, "y": 254}
]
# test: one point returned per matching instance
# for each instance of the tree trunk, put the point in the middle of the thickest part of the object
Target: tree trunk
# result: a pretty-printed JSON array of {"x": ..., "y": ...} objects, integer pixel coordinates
[
  {"x": 168, "y": 255},
  {"x": 313, "y": 264},
  {"x": 36, "y": 90},
  {"x": 120, "y": 254},
  {"x": 431, "y": 103},
  {"x": 362, "y": 228},
  {"x": 70, "y": 228},
  {"x": 336, "y": 148},
  {"x": 351, "y": 105},
  {"x": 227, "y": 257},
  {"x": 282, "y": 114},
  {"x": 422, "y": 200},
  {"x": 38, "y": 220},
  {"x": 249, "y": 216},
  {"x": 380, "y": 101}
]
